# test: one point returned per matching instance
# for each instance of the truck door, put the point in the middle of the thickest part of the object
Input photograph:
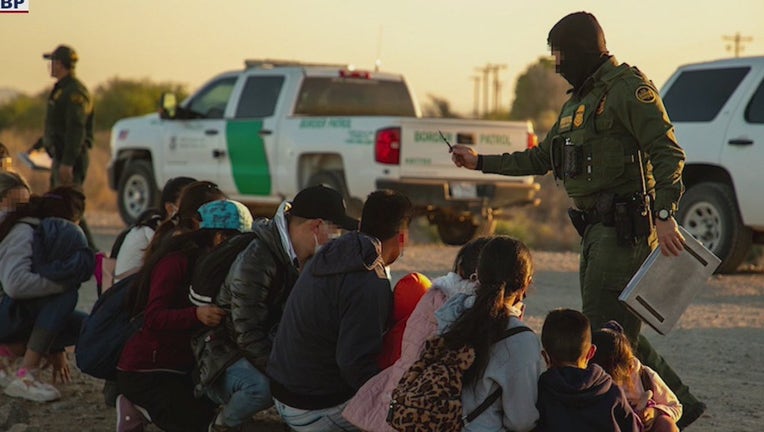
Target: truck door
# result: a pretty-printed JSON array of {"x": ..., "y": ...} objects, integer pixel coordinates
[
  {"x": 743, "y": 148},
  {"x": 195, "y": 147},
  {"x": 251, "y": 138}
]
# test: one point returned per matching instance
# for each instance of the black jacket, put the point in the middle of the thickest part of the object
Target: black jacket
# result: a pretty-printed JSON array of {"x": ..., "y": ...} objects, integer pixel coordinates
[
  {"x": 583, "y": 400},
  {"x": 331, "y": 332},
  {"x": 253, "y": 296}
]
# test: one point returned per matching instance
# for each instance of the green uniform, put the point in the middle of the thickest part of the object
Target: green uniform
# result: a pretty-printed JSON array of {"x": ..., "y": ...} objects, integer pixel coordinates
[
  {"x": 69, "y": 127},
  {"x": 615, "y": 120},
  {"x": 69, "y": 133}
]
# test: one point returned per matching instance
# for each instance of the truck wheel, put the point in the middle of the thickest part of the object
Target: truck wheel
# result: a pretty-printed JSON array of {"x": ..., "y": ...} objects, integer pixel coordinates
[
  {"x": 336, "y": 181},
  {"x": 137, "y": 190},
  {"x": 709, "y": 212}
]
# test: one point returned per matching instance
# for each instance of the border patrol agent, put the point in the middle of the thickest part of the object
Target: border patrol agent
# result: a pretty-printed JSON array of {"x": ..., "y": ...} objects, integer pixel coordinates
[
  {"x": 613, "y": 147},
  {"x": 68, "y": 124}
]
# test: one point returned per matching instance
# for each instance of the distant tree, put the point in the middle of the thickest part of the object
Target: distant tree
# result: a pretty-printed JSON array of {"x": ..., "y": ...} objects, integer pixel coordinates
[
  {"x": 437, "y": 106},
  {"x": 539, "y": 95},
  {"x": 119, "y": 98},
  {"x": 24, "y": 112},
  {"x": 116, "y": 99}
]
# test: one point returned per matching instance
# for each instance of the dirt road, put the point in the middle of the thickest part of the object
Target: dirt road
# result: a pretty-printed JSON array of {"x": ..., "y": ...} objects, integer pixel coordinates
[{"x": 716, "y": 347}]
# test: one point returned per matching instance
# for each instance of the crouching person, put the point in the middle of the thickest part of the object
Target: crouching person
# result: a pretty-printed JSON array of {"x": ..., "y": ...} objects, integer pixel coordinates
[
  {"x": 233, "y": 356},
  {"x": 330, "y": 336},
  {"x": 154, "y": 369}
]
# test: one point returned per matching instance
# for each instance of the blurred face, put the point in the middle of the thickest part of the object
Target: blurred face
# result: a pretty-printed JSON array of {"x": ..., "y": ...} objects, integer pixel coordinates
[
  {"x": 5, "y": 163},
  {"x": 326, "y": 231},
  {"x": 14, "y": 197},
  {"x": 557, "y": 60},
  {"x": 57, "y": 69}
]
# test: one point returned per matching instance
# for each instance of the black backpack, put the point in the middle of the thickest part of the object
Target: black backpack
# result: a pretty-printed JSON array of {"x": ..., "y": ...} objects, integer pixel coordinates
[
  {"x": 150, "y": 218},
  {"x": 106, "y": 330},
  {"x": 212, "y": 268}
]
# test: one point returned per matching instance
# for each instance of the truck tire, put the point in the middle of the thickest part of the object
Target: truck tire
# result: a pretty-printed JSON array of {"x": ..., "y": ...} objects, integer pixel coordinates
[
  {"x": 336, "y": 181},
  {"x": 709, "y": 212},
  {"x": 137, "y": 190}
]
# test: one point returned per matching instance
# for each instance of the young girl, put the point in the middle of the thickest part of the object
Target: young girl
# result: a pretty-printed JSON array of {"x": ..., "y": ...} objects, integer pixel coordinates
[
  {"x": 368, "y": 408},
  {"x": 39, "y": 279},
  {"x": 154, "y": 370},
  {"x": 512, "y": 364},
  {"x": 656, "y": 404}
]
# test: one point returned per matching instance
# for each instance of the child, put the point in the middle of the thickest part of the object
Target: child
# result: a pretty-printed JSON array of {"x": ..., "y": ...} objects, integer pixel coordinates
[
  {"x": 406, "y": 294},
  {"x": 574, "y": 395},
  {"x": 649, "y": 396}
]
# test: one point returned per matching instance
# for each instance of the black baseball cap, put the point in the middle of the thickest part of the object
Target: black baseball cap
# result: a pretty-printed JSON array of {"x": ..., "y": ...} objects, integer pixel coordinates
[
  {"x": 321, "y": 202},
  {"x": 64, "y": 53}
]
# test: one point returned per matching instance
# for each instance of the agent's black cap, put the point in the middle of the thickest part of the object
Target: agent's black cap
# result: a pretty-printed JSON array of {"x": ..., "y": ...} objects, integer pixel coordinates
[
  {"x": 63, "y": 53},
  {"x": 321, "y": 202}
]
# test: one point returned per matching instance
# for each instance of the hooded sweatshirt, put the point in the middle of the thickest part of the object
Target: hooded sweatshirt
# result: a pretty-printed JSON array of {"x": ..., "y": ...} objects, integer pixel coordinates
[
  {"x": 330, "y": 334},
  {"x": 514, "y": 365},
  {"x": 368, "y": 408},
  {"x": 586, "y": 400}
]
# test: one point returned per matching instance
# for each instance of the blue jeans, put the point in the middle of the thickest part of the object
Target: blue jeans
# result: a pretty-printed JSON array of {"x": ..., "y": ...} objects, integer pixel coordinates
[
  {"x": 243, "y": 390},
  {"x": 322, "y": 420},
  {"x": 45, "y": 324}
]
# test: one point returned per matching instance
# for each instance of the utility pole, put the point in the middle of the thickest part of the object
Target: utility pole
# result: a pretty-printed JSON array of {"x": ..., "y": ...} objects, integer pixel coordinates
[
  {"x": 485, "y": 71},
  {"x": 476, "y": 96},
  {"x": 738, "y": 42},
  {"x": 497, "y": 86}
]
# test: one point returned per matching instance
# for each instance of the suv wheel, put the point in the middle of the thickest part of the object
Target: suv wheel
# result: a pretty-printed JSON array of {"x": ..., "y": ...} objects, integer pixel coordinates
[
  {"x": 336, "y": 181},
  {"x": 137, "y": 190},
  {"x": 709, "y": 212}
]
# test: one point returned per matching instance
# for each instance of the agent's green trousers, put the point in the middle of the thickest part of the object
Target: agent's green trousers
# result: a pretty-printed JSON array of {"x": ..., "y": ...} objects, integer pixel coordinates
[{"x": 605, "y": 269}]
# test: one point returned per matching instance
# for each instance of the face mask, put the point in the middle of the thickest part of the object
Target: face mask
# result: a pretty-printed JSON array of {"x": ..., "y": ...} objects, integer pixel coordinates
[{"x": 317, "y": 246}]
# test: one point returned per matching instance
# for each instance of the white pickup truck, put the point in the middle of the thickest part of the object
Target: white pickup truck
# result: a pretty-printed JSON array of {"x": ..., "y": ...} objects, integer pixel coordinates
[
  {"x": 717, "y": 109},
  {"x": 265, "y": 132}
]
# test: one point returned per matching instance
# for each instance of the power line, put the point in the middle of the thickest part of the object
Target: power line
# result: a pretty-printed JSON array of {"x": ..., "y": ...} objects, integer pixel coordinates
[{"x": 738, "y": 42}]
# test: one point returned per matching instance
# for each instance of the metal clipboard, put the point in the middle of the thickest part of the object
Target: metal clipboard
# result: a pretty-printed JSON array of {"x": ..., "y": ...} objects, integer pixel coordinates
[{"x": 664, "y": 286}]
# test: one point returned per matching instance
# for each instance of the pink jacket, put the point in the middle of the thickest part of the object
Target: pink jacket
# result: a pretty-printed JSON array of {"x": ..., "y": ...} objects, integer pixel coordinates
[{"x": 367, "y": 410}]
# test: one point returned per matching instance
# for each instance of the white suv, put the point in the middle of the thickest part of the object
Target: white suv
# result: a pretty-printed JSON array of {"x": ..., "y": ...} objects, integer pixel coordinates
[{"x": 717, "y": 109}]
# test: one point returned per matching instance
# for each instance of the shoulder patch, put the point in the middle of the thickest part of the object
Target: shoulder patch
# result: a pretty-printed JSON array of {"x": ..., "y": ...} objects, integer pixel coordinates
[
  {"x": 78, "y": 99},
  {"x": 645, "y": 94}
]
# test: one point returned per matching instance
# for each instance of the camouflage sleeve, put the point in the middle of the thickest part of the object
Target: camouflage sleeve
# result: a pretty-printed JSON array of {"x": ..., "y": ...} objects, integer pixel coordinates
[
  {"x": 535, "y": 161},
  {"x": 641, "y": 111},
  {"x": 77, "y": 113}
]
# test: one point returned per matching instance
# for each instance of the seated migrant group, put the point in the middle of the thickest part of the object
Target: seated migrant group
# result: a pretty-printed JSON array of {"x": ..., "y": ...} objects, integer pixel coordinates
[{"x": 298, "y": 311}]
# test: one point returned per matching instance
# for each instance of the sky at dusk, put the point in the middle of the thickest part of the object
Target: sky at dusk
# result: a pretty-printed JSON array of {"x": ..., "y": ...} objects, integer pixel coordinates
[{"x": 436, "y": 44}]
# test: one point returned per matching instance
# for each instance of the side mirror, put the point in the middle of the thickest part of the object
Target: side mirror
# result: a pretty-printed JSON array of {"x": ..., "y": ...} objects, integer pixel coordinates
[{"x": 168, "y": 106}]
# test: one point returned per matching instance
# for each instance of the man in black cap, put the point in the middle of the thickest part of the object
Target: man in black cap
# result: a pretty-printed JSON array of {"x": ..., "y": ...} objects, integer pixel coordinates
[
  {"x": 68, "y": 124},
  {"x": 253, "y": 296},
  {"x": 613, "y": 147},
  {"x": 330, "y": 335}
]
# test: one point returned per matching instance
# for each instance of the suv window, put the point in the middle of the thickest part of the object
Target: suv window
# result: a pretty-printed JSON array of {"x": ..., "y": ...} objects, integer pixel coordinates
[
  {"x": 699, "y": 95},
  {"x": 754, "y": 112},
  {"x": 258, "y": 99},
  {"x": 327, "y": 96},
  {"x": 210, "y": 102}
]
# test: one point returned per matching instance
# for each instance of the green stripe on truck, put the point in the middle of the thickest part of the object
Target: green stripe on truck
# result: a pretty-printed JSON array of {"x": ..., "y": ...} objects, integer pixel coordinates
[{"x": 249, "y": 164}]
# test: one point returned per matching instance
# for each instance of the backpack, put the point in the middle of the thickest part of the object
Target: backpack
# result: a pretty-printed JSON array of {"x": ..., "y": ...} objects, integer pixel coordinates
[
  {"x": 428, "y": 396},
  {"x": 212, "y": 268},
  {"x": 105, "y": 331}
]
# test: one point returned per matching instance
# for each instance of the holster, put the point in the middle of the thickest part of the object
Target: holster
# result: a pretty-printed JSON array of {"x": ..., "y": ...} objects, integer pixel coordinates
[
  {"x": 578, "y": 219},
  {"x": 633, "y": 218}
]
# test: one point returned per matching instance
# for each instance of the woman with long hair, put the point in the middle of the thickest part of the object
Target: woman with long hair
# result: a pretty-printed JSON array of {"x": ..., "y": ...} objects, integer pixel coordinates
[
  {"x": 45, "y": 258},
  {"x": 154, "y": 370},
  {"x": 512, "y": 364},
  {"x": 186, "y": 218}
]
